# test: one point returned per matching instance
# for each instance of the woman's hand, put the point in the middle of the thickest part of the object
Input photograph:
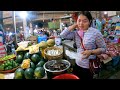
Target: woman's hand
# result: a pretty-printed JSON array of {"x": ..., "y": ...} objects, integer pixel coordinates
[
  {"x": 86, "y": 53},
  {"x": 72, "y": 27}
]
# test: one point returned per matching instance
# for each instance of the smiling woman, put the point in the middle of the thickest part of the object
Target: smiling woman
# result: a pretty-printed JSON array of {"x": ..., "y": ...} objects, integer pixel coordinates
[{"x": 89, "y": 42}]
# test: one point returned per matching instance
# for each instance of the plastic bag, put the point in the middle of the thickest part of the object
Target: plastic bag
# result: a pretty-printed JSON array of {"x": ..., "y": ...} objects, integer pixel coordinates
[{"x": 74, "y": 55}]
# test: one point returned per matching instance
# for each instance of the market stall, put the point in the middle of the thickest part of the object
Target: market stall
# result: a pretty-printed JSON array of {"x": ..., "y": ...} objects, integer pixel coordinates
[
  {"x": 44, "y": 57},
  {"x": 29, "y": 61}
]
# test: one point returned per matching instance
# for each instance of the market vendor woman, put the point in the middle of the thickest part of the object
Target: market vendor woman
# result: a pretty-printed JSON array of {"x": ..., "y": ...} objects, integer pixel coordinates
[{"x": 93, "y": 43}]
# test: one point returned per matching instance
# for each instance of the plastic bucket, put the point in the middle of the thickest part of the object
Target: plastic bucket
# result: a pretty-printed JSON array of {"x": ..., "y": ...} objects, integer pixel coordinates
[{"x": 66, "y": 76}]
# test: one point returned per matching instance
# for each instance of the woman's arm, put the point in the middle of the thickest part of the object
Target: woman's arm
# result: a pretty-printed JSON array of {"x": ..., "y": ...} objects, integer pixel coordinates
[
  {"x": 72, "y": 27},
  {"x": 68, "y": 33},
  {"x": 101, "y": 45}
]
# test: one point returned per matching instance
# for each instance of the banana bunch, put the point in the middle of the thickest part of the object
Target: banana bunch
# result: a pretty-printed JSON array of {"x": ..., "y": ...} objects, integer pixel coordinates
[{"x": 25, "y": 64}]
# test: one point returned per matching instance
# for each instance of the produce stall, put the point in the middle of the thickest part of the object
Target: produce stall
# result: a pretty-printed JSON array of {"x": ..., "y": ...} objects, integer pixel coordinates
[
  {"x": 37, "y": 61},
  {"x": 29, "y": 61}
]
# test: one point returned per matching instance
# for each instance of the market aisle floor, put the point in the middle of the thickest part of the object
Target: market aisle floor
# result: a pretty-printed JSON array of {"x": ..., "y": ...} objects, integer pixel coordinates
[{"x": 115, "y": 76}]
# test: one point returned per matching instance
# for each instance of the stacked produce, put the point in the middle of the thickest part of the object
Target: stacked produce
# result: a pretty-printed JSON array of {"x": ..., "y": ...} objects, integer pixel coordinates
[
  {"x": 38, "y": 47},
  {"x": 25, "y": 64},
  {"x": 8, "y": 64},
  {"x": 33, "y": 49},
  {"x": 7, "y": 57},
  {"x": 31, "y": 60},
  {"x": 20, "y": 48},
  {"x": 31, "y": 66}
]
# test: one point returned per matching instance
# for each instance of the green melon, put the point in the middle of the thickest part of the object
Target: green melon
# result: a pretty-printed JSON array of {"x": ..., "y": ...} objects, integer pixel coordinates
[
  {"x": 19, "y": 59},
  {"x": 19, "y": 74},
  {"x": 27, "y": 55},
  {"x": 40, "y": 63},
  {"x": 39, "y": 72},
  {"x": 32, "y": 65},
  {"x": 35, "y": 58},
  {"x": 29, "y": 73}
]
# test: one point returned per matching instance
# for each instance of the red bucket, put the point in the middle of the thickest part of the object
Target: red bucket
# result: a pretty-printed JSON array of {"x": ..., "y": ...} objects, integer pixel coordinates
[{"x": 66, "y": 76}]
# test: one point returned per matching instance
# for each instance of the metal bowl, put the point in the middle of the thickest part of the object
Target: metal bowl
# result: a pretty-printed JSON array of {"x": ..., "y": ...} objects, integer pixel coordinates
[{"x": 51, "y": 73}]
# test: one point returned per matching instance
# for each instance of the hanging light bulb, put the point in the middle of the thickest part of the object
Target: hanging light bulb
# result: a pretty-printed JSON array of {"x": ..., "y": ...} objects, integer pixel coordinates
[
  {"x": 105, "y": 12},
  {"x": 23, "y": 14}
]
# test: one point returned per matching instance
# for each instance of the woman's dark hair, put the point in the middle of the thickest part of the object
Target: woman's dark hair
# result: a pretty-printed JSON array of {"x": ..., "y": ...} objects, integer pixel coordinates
[{"x": 87, "y": 14}]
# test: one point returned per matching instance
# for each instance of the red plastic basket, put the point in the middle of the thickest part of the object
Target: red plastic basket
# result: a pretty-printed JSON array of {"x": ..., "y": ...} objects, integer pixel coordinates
[{"x": 66, "y": 76}]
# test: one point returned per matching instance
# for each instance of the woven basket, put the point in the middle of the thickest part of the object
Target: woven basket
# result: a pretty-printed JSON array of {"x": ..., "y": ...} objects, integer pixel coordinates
[{"x": 56, "y": 57}]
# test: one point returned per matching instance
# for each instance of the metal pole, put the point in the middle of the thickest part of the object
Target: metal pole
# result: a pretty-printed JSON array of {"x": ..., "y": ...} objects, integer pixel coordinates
[
  {"x": 14, "y": 21},
  {"x": 24, "y": 27}
]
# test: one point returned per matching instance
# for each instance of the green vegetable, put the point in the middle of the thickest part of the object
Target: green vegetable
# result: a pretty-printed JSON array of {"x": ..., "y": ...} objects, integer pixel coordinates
[{"x": 1, "y": 67}]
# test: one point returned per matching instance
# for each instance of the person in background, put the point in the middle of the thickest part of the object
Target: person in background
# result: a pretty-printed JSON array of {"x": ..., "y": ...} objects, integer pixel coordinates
[
  {"x": 2, "y": 35},
  {"x": 2, "y": 42},
  {"x": 98, "y": 24},
  {"x": 93, "y": 23},
  {"x": 46, "y": 33},
  {"x": 92, "y": 40}
]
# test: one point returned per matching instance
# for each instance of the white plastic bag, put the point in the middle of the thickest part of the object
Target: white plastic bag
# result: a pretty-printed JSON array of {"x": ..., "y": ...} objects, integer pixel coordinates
[{"x": 74, "y": 55}]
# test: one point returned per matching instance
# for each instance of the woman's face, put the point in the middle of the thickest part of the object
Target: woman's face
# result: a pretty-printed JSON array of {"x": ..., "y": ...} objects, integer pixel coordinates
[{"x": 83, "y": 22}]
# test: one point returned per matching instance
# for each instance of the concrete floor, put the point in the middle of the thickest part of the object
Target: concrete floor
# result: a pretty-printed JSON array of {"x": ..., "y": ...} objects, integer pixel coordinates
[
  {"x": 110, "y": 72},
  {"x": 115, "y": 76}
]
